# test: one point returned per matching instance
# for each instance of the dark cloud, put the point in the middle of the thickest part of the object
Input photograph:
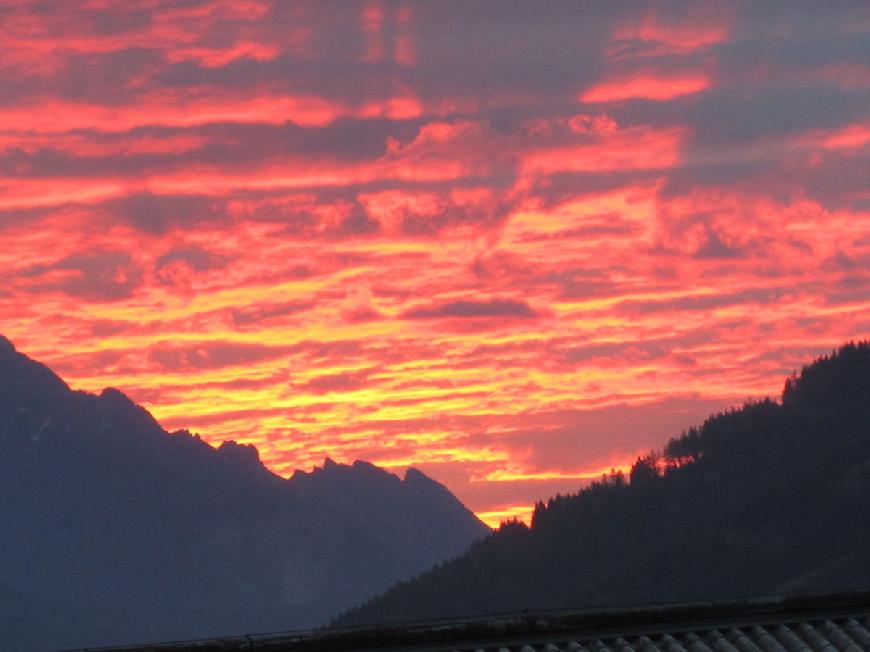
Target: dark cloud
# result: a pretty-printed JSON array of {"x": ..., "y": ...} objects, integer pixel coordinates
[
  {"x": 156, "y": 214},
  {"x": 560, "y": 187},
  {"x": 177, "y": 266},
  {"x": 100, "y": 328},
  {"x": 704, "y": 302},
  {"x": 17, "y": 217},
  {"x": 715, "y": 247},
  {"x": 333, "y": 215},
  {"x": 256, "y": 314},
  {"x": 197, "y": 258},
  {"x": 338, "y": 382},
  {"x": 737, "y": 115},
  {"x": 460, "y": 49},
  {"x": 798, "y": 35},
  {"x": 156, "y": 149},
  {"x": 852, "y": 288},
  {"x": 492, "y": 308},
  {"x": 357, "y": 223},
  {"x": 838, "y": 180},
  {"x": 211, "y": 355},
  {"x": 105, "y": 77},
  {"x": 96, "y": 275},
  {"x": 578, "y": 283},
  {"x": 344, "y": 140},
  {"x": 485, "y": 215}
]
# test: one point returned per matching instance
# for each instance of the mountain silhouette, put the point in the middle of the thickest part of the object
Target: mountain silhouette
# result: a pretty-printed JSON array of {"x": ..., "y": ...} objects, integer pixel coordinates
[
  {"x": 770, "y": 498},
  {"x": 116, "y": 531}
]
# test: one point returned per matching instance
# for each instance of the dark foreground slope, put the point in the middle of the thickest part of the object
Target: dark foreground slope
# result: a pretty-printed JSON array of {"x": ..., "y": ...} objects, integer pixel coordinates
[
  {"x": 769, "y": 498},
  {"x": 113, "y": 530}
]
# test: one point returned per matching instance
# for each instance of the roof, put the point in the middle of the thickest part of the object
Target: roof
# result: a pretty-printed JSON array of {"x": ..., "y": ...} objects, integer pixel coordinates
[{"x": 797, "y": 623}]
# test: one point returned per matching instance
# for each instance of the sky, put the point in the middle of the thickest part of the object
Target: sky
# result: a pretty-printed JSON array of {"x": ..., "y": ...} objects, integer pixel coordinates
[{"x": 511, "y": 244}]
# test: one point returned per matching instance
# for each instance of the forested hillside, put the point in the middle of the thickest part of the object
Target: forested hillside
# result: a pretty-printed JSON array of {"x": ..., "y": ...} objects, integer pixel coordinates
[{"x": 772, "y": 497}]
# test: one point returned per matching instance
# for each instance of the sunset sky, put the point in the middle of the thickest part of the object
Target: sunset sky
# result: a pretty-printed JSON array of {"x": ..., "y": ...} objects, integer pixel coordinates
[{"x": 513, "y": 244}]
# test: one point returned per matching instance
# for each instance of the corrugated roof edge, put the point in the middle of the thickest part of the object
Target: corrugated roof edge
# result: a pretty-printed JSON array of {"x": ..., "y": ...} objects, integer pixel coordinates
[{"x": 586, "y": 623}]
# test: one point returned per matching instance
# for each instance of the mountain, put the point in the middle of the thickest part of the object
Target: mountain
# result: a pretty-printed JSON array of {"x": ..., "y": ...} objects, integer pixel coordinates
[
  {"x": 770, "y": 498},
  {"x": 116, "y": 531}
]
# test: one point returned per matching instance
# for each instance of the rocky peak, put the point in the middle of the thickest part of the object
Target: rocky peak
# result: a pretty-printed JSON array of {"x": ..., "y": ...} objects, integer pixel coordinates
[
  {"x": 25, "y": 376},
  {"x": 6, "y": 347},
  {"x": 119, "y": 410},
  {"x": 240, "y": 455}
]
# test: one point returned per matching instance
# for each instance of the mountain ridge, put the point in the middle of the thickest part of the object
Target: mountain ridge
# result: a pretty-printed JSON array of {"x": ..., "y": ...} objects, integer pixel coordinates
[{"x": 103, "y": 507}]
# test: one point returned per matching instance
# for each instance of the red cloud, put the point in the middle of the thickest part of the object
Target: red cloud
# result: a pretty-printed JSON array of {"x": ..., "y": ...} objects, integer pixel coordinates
[
  {"x": 646, "y": 86},
  {"x": 682, "y": 36}
]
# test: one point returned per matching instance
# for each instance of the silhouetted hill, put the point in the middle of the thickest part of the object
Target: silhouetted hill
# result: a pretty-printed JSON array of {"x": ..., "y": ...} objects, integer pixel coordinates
[
  {"x": 769, "y": 498},
  {"x": 114, "y": 530}
]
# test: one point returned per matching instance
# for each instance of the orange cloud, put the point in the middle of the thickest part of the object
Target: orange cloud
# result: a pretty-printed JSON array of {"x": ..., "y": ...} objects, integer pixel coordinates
[
  {"x": 630, "y": 149},
  {"x": 215, "y": 57},
  {"x": 646, "y": 86},
  {"x": 170, "y": 109},
  {"x": 495, "y": 517},
  {"x": 683, "y": 36},
  {"x": 851, "y": 137}
]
